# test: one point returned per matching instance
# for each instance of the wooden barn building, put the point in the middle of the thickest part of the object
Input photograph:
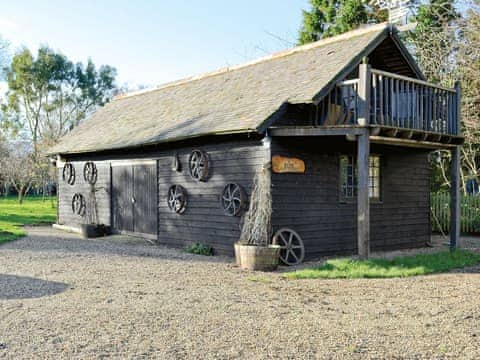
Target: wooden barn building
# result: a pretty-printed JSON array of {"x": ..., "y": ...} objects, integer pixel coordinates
[{"x": 349, "y": 122}]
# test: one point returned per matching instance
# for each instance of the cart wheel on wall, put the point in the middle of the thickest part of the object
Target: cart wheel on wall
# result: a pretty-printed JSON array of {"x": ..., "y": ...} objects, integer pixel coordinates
[
  {"x": 198, "y": 165},
  {"x": 234, "y": 199},
  {"x": 68, "y": 173},
  {"x": 292, "y": 250},
  {"x": 177, "y": 199},
  {"x": 78, "y": 204},
  {"x": 90, "y": 172}
]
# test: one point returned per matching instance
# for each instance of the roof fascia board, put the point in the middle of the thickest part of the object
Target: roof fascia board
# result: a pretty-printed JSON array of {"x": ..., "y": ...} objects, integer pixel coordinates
[
  {"x": 151, "y": 143},
  {"x": 272, "y": 118}
]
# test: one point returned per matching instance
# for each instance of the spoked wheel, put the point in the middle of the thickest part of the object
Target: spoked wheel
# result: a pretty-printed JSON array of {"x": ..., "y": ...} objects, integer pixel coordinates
[
  {"x": 198, "y": 165},
  {"x": 233, "y": 199},
  {"x": 177, "y": 199},
  {"x": 90, "y": 172},
  {"x": 292, "y": 250},
  {"x": 69, "y": 173},
  {"x": 78, "y": 204}
]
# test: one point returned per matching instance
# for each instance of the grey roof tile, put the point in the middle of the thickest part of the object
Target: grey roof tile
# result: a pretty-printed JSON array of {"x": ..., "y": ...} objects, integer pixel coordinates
[{"x": 227, "y": 101}]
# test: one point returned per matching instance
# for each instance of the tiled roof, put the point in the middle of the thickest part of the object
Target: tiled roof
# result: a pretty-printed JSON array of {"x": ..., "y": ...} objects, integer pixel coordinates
[{"x": 232, "y": 100}]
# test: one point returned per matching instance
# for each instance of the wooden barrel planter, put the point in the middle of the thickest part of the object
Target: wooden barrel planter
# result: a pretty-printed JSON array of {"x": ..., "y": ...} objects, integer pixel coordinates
[
  {"x": 238, "y": 261},
  {"x": 261, "y": 258},
  {"x": 92, "y": 230}
]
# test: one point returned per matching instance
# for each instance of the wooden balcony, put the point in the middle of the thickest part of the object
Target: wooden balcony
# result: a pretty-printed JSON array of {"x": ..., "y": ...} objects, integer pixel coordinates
[{"x": 394, "y": 106}]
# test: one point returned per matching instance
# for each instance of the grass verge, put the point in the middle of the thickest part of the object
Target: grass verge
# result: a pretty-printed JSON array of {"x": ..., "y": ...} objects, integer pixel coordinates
[
  {"x": 13, "y": 215},
  {"x": 402, "y": 266}
]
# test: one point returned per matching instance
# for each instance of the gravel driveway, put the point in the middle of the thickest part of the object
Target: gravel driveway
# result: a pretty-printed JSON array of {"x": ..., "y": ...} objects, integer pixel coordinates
[{"x": 63, "y": 297}]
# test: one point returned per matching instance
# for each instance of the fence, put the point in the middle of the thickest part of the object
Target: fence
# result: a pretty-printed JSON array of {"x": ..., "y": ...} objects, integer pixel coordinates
[{"x": 469, "y": 213}]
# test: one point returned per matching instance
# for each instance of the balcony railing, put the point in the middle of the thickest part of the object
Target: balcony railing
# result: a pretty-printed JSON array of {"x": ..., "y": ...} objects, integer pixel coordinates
[{"x": 390, "y": 100}]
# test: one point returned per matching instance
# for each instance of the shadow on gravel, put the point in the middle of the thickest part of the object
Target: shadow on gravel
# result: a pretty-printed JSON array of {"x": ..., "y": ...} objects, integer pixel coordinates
[
  {"x": 24, "y": 287},
  {"x": 53, "y": 241}
]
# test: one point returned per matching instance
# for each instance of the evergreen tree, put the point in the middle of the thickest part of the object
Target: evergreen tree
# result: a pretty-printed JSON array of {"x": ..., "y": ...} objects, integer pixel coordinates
[
  {"x": 317, "y": 20},
  {"x": 434, "y": 15},
  {"x": 332, "y": 17}
]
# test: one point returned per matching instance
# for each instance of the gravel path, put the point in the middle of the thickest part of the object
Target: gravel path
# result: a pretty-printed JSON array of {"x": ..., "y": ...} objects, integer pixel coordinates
[{"x": 63, "y": 297}]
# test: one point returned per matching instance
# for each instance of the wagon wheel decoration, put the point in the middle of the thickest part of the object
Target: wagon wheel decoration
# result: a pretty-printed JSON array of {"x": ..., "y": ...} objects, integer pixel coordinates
[
  {"x": 68, "y": 173},
  {"x": 177, "y": 199},
  {"x": 233, "y": 199},
  {"x": 292, "y": 250},
  {"x": 198, "y": 165},
  {"x": 78, "y": 204},
  {"x": 90, "y": 172}
]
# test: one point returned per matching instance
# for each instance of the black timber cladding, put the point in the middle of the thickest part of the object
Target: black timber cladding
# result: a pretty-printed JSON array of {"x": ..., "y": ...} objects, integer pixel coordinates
[
  {"x": 204, "y": 220},
  {"x": 66, "y": 192},
  {"x": 309, "y": 203}
]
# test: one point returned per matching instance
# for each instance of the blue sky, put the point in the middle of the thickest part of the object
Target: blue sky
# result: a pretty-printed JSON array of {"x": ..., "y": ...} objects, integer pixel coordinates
[{"x": 152, "y": 42}]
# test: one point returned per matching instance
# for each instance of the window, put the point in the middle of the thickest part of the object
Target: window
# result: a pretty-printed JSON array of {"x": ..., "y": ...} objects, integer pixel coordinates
[
  {"x": 374, "y": 177},
  {"x": 349, "y": 173}
]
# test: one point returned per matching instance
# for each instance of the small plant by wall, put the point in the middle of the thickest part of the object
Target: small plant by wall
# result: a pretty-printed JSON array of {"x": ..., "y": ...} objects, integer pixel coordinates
[{"x": 199, "y": 249}]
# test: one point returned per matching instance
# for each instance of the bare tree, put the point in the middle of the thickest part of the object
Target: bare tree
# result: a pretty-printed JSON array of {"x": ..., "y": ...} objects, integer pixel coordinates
[
  {"x": 4, "y": 56},
  {"x": 18, "y": 168},
  {"x": 451, "y": 53}
]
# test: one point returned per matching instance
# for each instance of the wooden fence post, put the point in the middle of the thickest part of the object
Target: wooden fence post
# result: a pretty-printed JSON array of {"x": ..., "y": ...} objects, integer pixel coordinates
[
  {"x": 363, "y": 201},
  {"x": 455, "y": 198}
]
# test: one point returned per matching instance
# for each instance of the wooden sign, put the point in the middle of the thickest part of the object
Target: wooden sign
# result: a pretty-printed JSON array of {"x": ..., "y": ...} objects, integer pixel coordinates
[{"x": 282, "y": 164}]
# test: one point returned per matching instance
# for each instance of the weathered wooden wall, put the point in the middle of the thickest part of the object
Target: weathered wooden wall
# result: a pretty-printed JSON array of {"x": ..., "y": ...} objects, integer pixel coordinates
[
  {"x": 66, "y": 192},
  {"x": 204, "y": 220},
  {"x": 309, "y": 203}
]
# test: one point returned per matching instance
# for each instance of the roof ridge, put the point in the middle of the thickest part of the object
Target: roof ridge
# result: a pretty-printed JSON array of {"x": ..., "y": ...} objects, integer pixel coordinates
[{"x": 275, "y": 55}]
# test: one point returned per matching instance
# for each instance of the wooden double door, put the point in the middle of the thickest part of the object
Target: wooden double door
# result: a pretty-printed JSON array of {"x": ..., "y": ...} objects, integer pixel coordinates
[{"x": 134, "y": 198}]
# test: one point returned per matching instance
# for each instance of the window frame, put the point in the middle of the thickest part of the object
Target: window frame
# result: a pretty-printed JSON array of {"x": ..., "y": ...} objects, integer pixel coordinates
[{"x": 343, "y": 198}]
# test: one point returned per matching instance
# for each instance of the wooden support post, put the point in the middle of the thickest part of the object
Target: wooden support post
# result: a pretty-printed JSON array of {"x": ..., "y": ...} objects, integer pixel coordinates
[
  {"x": 458, "y": 106},
  {"x": 364, "y": 86},
  {"x": 455, "y": 198},
  {"x": 363, "y": 201},
  {"x": 455, "y": 174}
]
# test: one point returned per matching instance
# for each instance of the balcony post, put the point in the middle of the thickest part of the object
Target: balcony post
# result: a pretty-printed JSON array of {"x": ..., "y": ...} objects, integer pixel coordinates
[
  {"x": 458, "y": 107},
  {"x": 455, "y": 198},
  {"x": 364, "y": 84},
  {"x": 363, "y": 201}
]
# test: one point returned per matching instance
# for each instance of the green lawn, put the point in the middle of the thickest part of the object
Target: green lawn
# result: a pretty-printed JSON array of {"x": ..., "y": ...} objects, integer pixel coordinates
[
  {"x": 13, "y": 215},
  {"x": 403, "y": 266}
]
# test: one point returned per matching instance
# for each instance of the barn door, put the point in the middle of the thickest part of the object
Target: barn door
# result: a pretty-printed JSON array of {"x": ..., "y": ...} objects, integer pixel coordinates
[
  {"x": 134, "y": 198},
  {"x": 145, "y": 199},
  {"x": 122, "y": 195}
]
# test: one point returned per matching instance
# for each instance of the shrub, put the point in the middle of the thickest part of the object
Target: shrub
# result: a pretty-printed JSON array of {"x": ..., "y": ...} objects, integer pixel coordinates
[
  {"x": 476, "y": 223},
  {"x": 199, "y": 249}
]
